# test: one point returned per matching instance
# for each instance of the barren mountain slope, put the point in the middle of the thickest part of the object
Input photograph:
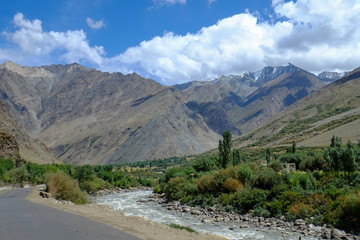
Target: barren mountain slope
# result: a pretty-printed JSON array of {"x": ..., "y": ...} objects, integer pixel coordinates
[
  {"x": 332, "y": 110},
  {"x": 84, "y": 115},
  {"x": 274, "y": 96}
]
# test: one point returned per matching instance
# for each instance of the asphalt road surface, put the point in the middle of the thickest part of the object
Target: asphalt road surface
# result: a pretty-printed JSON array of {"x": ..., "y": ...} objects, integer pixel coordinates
[{"x": 24, "y": 220}]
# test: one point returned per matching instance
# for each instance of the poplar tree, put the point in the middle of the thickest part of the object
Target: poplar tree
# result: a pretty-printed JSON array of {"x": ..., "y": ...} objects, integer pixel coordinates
[{"x": 225, "y": 149}]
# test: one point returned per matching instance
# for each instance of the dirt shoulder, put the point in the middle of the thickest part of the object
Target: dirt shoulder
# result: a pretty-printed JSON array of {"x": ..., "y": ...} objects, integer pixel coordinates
[{"x": 136, "y": 226}]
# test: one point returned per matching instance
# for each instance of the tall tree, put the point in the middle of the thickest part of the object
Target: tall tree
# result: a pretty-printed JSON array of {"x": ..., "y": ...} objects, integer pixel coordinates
[
  {"x": 225, "y": 149},
  {"x": 293, "y": 148}
]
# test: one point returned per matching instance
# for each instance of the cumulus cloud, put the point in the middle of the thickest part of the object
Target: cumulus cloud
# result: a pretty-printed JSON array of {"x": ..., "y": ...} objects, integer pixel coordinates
[
  {"x": 95, "y": 25},
  {"x": 313, "y": 34},
  {"x": 34, "y": 42}
]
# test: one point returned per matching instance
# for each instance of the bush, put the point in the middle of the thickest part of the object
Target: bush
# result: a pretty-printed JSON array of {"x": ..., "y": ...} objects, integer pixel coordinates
[
  {"x": 247, "y": 199},
  {"x": 16, "y": 175},
  {"x": 275, "y": 208},
  {"x": 261, "y": 212},
  {"x": 266, "y": 179},
  {"x": 174, "y": 189},
  {"x": 6, "y": 165},
  {"x": 301, "y": 210},
  {"x": 351, "y": 207},
  {"x": 245, "y": 173},
  {"x": 206, "y": 184},
  {"x": 232, "y": 185},
  {"x": 276, "y": 165},
  {"x": 204, "y": 164},
  {"x": 92, "y": 187},
  {"x": 63, "y": 187}
]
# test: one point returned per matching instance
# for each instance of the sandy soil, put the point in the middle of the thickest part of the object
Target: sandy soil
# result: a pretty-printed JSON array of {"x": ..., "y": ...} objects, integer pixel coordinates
[{"x": 136, "y": 226}]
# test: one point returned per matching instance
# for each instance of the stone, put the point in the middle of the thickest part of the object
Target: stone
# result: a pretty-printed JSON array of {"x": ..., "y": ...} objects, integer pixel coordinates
[
  {"x": 336, "y": 233},
  {"x": 232, "y": 228},
  {"x": 299, "y": 222},
  {"x": 45, "y": 194},
  {"x": 326, "y": 234}
]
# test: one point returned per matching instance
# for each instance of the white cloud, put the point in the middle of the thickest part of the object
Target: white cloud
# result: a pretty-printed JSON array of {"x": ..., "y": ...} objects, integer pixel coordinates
[
  {"x": 313, "y": 34},
  {"x": 36, "y": 43},
  {"x": 316, "y": 35},
  {"x": 168, "y": 2},
  {"x": 95, "y": 25}
]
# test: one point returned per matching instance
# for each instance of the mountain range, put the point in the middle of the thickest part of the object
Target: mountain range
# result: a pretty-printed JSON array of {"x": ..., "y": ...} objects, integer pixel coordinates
[{"x": 85, "y": 116}]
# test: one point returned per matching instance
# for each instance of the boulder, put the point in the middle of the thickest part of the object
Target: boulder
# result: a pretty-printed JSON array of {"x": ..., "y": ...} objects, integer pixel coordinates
[
  {"x": 299, "y": 222},
  {"x": 338, "y": 234},
  {"x": 45, "y": 194}
]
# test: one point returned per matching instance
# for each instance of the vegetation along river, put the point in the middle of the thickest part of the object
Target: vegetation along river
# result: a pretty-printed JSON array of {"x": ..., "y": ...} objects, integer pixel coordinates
[{"x": 131, "y": 203}]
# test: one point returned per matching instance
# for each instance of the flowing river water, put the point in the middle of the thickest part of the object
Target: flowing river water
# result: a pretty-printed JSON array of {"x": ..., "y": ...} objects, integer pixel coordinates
[{"x": 128, "y": 203}]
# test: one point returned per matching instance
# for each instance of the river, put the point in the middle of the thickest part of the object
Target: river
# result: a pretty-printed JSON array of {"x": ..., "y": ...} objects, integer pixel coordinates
[{"x": 127, "y": 203}]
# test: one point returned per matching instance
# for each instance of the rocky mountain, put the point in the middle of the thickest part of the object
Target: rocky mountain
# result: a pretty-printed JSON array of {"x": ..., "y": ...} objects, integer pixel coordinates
[
  {"x": 16, "y": 144},
  {"x": 87, "y": 116},
  {"x": 329, "y": 77},
  {"x": 270, "y": 73},
  {"x": 90, "y": 117},
  {"x": 241, "y": 103},
  {"x": 313, "y": 120}
]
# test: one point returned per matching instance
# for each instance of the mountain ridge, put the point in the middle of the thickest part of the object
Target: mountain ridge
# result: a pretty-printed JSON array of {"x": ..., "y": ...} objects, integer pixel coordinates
[{"x": 86, "y": 116}]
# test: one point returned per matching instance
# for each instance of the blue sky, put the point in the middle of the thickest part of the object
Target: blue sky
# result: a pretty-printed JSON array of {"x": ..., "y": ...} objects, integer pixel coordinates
[{"x": 174, "y": 41}]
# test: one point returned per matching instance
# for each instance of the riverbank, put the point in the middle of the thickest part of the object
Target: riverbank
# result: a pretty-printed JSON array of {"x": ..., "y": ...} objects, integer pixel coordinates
[
  {"x": 136, "y": 226},
  {"x": 248, "y": 220}
]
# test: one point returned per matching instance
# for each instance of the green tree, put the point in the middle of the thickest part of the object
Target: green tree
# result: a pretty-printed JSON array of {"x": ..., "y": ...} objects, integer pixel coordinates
[
  {"x": 348, "y": 158},
  {"x": 237, "y": 157},
  {"x": 293, "y": 147},
  {"x": 268, "y": 155},
  {"x": 225, "y": 149}
]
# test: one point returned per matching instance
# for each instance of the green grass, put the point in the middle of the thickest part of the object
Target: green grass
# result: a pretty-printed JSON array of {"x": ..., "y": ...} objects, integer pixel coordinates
[{"x": 176, "y": 226}]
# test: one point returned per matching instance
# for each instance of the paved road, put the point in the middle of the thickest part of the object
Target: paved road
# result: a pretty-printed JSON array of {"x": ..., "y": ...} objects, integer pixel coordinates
[{"x": 24, "y": 220}]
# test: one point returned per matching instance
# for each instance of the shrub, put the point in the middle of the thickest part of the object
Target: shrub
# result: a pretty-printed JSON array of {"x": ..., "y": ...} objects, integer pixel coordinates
[
  {"x": 225, "y": 199},
  {"x": 174, "y": 189},
  {"x": 245, "y": 173},
  {"x": 62, "y": 186},
  {"x": 351, "y": 207},
  {"x": 276, "y": 165},
  {"x": 176, "y": 226},
  {"x": 204, "y": 164},
  {"x": 92, "y": 187},
  {"x": 302, "y": 210},
  {"x": 261, "y": 212},
  {"x": 246, "y": 199},
  {"x": 232, "y": 185},
  {"x": 266, "y": 179},
  {"x": 16, "y": 175},
  {"x": 206, "y": 184},
  {"x": 275, "y": 208},
  {"x": 6, "y": 165},
  {"x": 175, "y": 172}
]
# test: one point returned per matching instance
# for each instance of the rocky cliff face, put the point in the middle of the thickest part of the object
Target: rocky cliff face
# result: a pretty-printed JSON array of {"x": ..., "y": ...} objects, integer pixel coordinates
[
  {"x": 9, "y": 148},
  {"x": 16, "y": 144}
]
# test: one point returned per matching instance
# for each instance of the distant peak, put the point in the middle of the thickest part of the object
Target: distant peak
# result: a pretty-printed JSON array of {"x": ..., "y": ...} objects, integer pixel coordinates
[
  {"x": 25, "y": 71},
  {"x": 10, "y": 65}
]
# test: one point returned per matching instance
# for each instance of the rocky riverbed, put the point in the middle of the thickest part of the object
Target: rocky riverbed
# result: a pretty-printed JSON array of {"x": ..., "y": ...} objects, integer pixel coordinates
[
  {"x": 211, "y": 215},
  {"x": 246, "y": 226}
]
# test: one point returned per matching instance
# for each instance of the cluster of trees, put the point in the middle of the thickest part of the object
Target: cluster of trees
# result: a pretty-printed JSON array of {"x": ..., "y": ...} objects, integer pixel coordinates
[
  {"x": 327, "y": 190},
  {"x": 88, "y": 179}
]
